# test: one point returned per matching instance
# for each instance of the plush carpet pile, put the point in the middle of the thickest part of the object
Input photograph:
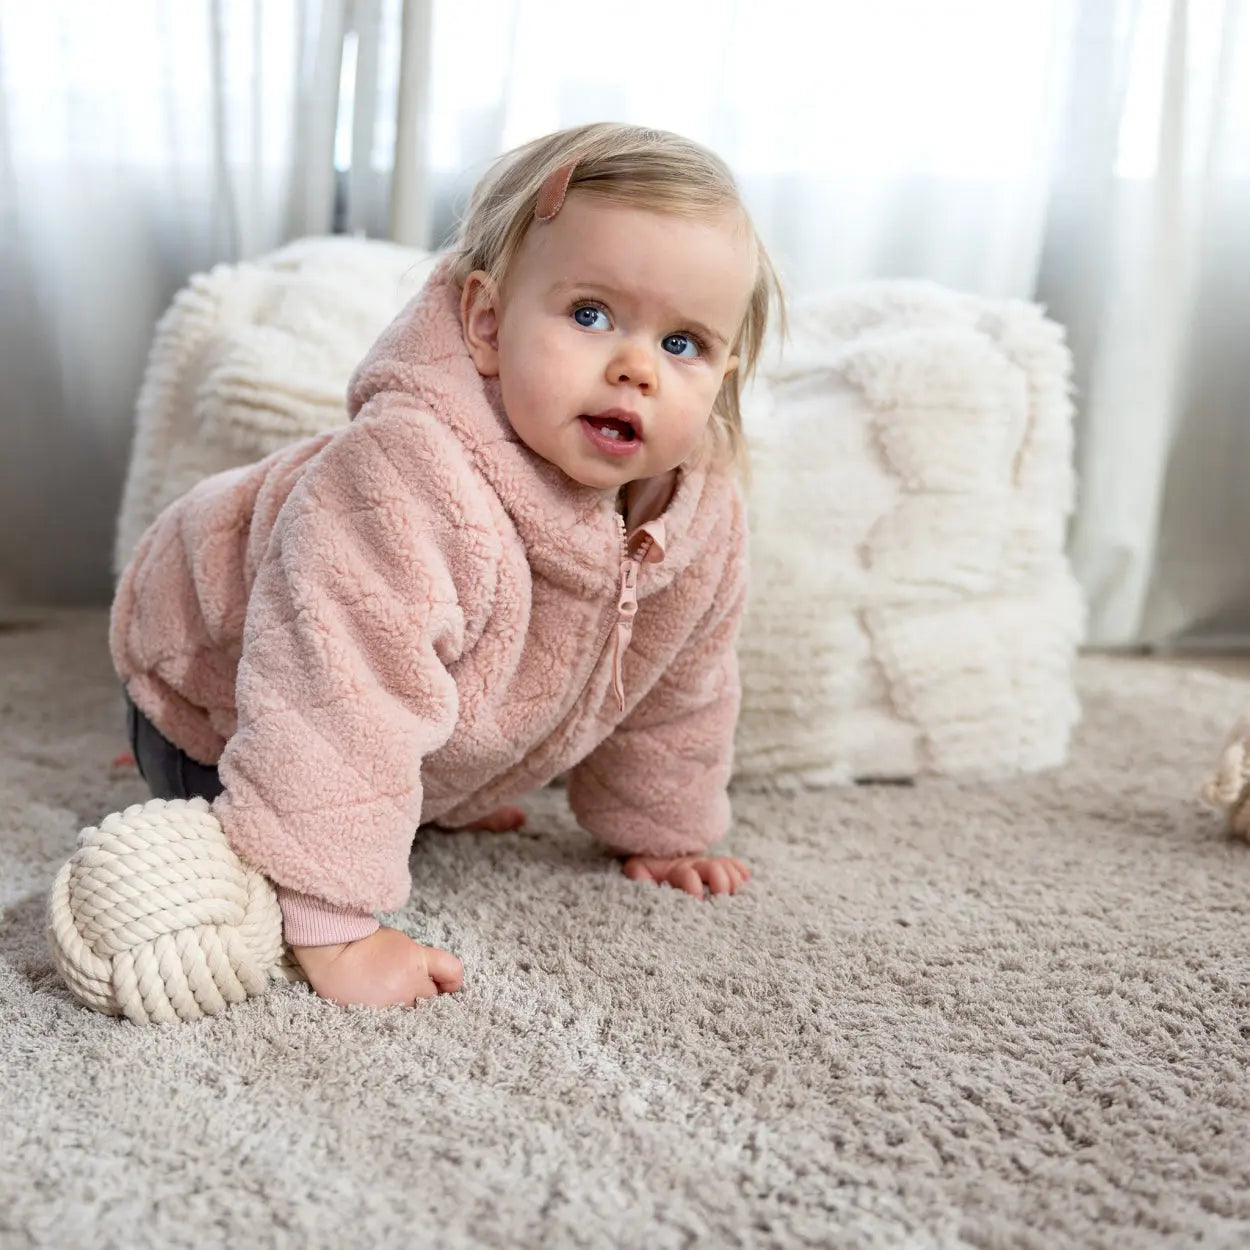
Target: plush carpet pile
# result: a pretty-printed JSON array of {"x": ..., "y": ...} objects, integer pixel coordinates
[{"x": 1006, "y": 1015}]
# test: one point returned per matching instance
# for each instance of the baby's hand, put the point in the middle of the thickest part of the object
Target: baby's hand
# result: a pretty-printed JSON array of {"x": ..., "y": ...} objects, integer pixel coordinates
[
  {"x": 689, "y": 872},
  {"x": 385, "y": 969}
]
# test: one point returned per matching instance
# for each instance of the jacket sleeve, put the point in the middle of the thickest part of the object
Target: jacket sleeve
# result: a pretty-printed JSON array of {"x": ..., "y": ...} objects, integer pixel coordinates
[
  {"x": 657, "y": 785},
  {"x": 343, "y": 688}
]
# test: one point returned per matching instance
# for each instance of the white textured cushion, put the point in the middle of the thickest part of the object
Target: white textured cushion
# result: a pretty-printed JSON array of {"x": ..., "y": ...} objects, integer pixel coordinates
[
  {"x": 253, "y": 356},
  {"x": 912, "y": 610}
]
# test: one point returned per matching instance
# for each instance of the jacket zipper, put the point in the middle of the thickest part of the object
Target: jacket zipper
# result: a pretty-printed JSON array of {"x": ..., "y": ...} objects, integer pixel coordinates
[{"x": 626, "y": 606}]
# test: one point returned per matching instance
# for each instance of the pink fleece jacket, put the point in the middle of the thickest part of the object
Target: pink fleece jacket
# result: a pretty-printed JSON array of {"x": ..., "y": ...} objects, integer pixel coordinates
[{"x": 415, "y": 618}]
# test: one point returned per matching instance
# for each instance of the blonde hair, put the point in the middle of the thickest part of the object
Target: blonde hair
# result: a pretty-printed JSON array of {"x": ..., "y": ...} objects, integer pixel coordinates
[{"x": 638, "y": 167}]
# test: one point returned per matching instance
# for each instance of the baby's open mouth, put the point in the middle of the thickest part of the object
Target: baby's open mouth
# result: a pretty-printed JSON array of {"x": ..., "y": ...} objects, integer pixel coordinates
[{"x": 613, "y": 427}]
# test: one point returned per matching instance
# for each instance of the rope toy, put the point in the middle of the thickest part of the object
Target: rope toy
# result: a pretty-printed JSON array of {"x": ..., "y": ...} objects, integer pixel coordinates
[
  {"x": 1228, "y": 787},
  {"x": 155, "y": 918}
]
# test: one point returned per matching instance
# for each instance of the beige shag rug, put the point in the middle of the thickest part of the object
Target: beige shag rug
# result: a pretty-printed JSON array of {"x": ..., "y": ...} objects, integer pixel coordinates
[{"x": 1007, "y": 1015}]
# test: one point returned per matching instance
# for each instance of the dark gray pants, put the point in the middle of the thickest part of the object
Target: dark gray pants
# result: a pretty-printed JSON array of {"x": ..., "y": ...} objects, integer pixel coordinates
[{"x": 169, "y": 771}]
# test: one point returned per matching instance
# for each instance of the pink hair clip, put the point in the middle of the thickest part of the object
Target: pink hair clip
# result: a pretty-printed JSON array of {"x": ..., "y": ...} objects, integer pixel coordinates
[{"x": 551, "y": 194}]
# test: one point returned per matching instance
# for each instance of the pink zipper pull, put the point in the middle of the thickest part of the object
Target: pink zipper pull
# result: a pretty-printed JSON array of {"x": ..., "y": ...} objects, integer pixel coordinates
[{"x": 627, "y": 609}]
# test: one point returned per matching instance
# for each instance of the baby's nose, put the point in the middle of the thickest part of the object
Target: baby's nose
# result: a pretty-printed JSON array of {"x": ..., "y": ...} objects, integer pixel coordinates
[{"x": 633, "y": 366}]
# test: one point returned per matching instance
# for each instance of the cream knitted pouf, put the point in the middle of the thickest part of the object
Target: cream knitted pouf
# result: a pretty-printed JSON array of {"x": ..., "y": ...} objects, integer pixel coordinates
[
  {"x": 155, "y": 918},
  {"x": 912, "y": 608}
]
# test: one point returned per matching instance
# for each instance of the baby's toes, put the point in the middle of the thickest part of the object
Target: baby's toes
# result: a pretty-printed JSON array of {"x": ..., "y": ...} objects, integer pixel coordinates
[{"x": 503, "y": 820}]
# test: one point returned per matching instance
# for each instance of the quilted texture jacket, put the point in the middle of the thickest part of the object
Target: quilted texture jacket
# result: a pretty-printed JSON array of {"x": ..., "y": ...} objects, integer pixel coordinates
[{"x": 415, "y": 618}]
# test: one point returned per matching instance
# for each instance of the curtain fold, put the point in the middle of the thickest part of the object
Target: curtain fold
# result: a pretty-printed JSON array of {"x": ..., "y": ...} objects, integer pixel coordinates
[{"x": 412, "y": 199}]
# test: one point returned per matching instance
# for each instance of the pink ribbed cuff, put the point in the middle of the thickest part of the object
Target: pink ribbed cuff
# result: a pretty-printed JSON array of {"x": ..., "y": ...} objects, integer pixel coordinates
[{"x": 311, "y": 921}]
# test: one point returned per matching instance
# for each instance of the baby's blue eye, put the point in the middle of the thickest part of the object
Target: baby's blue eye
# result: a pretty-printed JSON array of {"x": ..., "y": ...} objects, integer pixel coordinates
[
  {"x": 680, "y": 345},
  {"x": 590, "y": 317}
]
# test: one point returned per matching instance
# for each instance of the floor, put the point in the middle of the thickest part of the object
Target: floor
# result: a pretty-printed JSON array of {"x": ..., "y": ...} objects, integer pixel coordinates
[
  {"x": 1231, "y": 664},
  {"x": 964, "y": 1013}
]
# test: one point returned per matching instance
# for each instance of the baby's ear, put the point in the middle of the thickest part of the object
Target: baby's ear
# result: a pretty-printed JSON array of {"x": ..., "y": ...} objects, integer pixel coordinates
[{"x": 479, "y": 320}]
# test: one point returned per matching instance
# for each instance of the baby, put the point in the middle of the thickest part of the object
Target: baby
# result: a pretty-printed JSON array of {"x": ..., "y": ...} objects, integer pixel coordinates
[{"x": 524, "y": 556}]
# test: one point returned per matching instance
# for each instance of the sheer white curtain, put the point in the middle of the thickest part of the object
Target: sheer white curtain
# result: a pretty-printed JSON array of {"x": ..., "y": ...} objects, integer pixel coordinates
[
  {"x": 141, "y": 141},
  {"x": 1094, "y": 154},
  {"x": 1148, "y": 263},
  {"x": 897, "y": 138}
]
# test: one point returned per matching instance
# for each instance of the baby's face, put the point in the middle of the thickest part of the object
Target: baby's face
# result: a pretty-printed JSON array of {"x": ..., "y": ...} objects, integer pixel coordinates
[{"x": 611, "y": 335}]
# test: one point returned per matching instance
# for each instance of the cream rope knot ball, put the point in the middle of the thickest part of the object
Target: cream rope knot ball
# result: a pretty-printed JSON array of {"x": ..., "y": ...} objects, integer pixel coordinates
[
  {"x": 1228, "y": 787},
  {"x": 155, "y": 918}
]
